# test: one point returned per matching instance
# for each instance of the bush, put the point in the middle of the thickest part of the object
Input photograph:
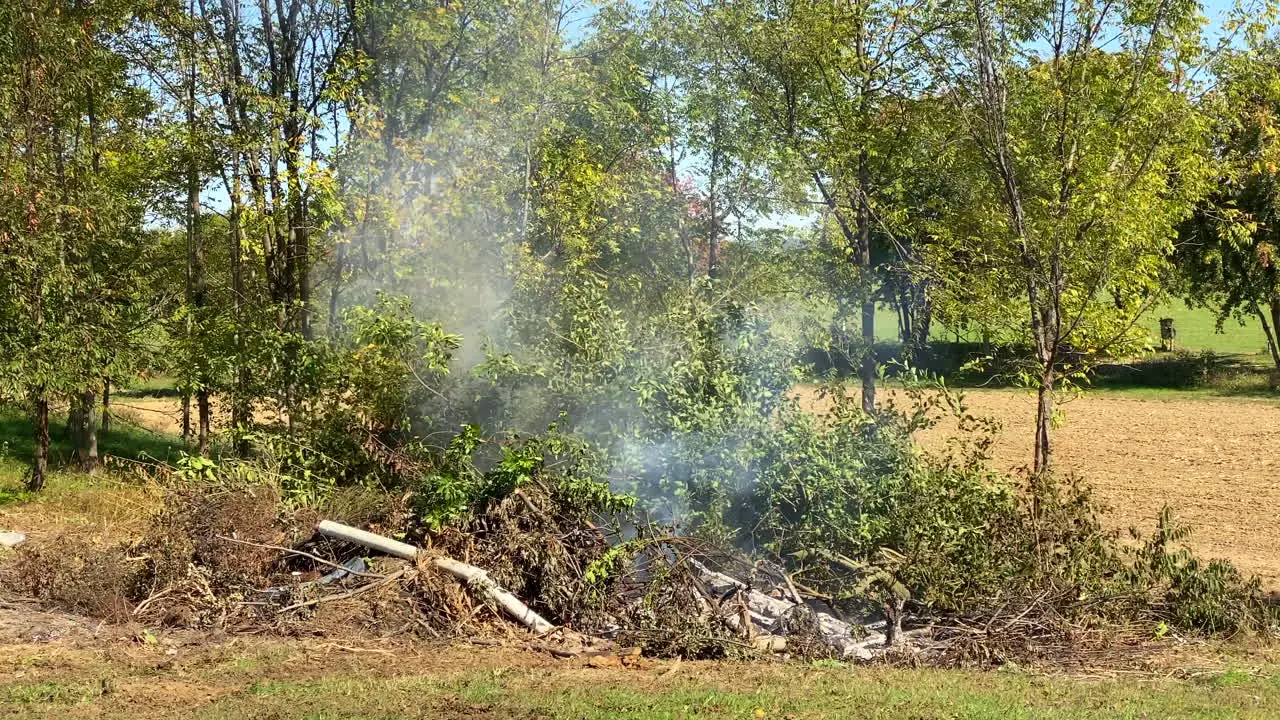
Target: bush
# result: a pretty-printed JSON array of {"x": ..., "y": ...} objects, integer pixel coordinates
[
  {"x": 1186, "y": 592},
  {"x": 1181, "y": 370},
  {"x": 855, "y": 510},
  {"x": 691, "y": 413}
]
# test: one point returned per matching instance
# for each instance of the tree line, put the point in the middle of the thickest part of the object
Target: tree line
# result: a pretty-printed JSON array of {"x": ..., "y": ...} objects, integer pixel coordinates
[{"x": 288, "y": 204}]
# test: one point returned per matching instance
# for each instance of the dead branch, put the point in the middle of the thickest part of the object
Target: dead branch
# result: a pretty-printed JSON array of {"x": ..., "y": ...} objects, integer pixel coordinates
[
  {"x": 474, "y": 577},
  {"x": 346, "y": 595},
  {"x": 300, "y": 553}
]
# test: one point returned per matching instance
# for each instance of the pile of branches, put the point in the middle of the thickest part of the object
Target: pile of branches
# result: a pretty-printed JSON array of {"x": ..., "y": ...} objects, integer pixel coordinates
[
  {"x": 525, "y": 569},
  {"x": 533, "y": 568}
]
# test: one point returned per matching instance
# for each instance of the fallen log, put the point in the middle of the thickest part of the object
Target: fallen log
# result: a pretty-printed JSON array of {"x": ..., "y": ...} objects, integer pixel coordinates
[{"x": 474, "y": 577}]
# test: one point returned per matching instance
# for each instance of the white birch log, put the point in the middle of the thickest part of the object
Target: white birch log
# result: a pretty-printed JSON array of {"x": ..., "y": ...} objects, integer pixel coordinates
[{"x": 475, "y": 578}]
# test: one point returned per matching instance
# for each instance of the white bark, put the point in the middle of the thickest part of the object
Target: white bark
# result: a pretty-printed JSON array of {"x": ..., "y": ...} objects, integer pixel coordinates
[
  {"x": 768, "y": 614},
  {"x": 475, "y": 578}
]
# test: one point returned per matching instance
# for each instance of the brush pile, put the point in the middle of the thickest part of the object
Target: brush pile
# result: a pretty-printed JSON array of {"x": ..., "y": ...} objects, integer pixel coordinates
[
  {"x": 233, "y": 559},
  {"x": 539, "y": 568}
]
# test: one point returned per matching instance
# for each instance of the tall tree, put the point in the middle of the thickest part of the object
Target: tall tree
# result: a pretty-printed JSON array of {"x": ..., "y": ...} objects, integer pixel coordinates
[
  {"x": 1090, "y": 153},
  {"x": 70, "y": 218},
  {"x": 1228, "y": 252},
  {"x": 830, "y": 80}
]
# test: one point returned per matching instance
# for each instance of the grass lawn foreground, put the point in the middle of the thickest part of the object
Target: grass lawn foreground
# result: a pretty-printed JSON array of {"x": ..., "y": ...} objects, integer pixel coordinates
[{"x": 307, "y": 679}]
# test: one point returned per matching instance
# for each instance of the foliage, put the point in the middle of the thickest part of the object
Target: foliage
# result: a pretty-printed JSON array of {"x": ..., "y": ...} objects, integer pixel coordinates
[
  {"x": 558, "y": 464},
  {"x": 849, "y": 505},
  {"x": 509, "y": 261},
  {"x": 1081, "y": 158},
  {"x": 1226, "y": 253},
  {"x": 1187, "y": 592}
]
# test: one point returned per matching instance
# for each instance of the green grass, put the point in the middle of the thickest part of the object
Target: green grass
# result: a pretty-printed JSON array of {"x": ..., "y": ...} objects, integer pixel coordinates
[
  {"x": 791, "y": 691},
  {"x": 123, "y": 441},
  {"x": 48, "y": 693},
  {"x": 159, "y": 386},
  {"x": 1239, "y": 367},
  {"x": 1197, "y": 330}
]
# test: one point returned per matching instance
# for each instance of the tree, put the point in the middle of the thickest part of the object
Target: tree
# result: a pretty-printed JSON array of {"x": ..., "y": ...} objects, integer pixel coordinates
[
  {"x": 834, "y": 82},
  {"x": 1228, "y": 251},
  {"x": 73, "y": 179},
  {"x": 713, "y": 146},
  {"x": 270, "y": 66},
  {"x": 1090, "y": 153}
]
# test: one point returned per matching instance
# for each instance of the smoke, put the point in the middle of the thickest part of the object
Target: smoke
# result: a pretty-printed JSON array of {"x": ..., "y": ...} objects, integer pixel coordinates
[{"x": 676, "y": 380}]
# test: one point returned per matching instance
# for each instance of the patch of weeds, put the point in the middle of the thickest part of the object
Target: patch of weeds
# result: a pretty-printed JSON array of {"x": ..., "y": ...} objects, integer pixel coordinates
[
  {"x": 272, "y": 687},
  {"x": 480, "y": 689},
  {"x": 344, "y": 716},
  {"x": 1231, "y": 678},
  {"x": 242, "y": 664},
  {"x": 11, "y": 496},
  {"x": 49, "y": 692}
]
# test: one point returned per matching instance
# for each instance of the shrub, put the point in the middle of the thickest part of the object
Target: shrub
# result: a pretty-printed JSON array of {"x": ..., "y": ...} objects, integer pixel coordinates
[
  {"x": 855, "y": 510},
  {"x": 1186, "y": 592}
]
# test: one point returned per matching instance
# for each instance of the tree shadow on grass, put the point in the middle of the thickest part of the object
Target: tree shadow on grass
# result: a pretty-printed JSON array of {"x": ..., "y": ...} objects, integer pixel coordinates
[
  {"x": 1204, "y": 372},
  {"x": 17, "y": 440},
  {"x": 974, "y": 365}
]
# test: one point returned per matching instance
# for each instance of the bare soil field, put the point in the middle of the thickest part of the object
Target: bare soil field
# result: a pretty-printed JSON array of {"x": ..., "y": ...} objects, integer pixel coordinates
[{"x": 1215, "y": 462}]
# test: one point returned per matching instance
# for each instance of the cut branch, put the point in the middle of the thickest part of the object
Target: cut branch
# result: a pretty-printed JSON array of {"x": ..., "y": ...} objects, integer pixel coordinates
[{"x": 474, "y": 577}]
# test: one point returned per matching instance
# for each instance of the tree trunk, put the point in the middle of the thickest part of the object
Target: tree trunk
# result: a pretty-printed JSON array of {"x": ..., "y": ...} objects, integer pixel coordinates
[
  {"x": 241, "y": 409},
  {"x": 106, "y": 407},
  {"x": 1044, "y": 423},
  {"x": 75, "y": 424},
  {"x": 1043, "y": 298},
  {"x": 868, "y": 369},
  {"x": 198, "y": 286},
  {"x": 40, "y": 451},
  {"x": 713, "y": 205},
  {"x": 202, "y": 415},
  {"x": 905, "y": 332},
  {"x": 84, "y": 423},
  {"x": 923, "y": 321},
  {"x": 1273, "y": 342},
  {"x": 335, "y": 292},
  {"x": 186, "y": 419}
]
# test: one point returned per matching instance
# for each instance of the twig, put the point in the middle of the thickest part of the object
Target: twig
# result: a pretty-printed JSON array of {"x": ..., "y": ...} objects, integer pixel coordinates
[
  {"x": 346, "y": 595},
  {"x": 813, "y": 593},
  {"x": 795, "y": 594},
  {"x": 142, "y": 605},
  {"x": 557, "y": 652},
  {"x": 487, "y": 642},
  {"x": 347, "y": 648},
  {"x": 300, "y": 553},
  {"x": 1031, "y": 606},
  {"x": 423, "y": 624}
]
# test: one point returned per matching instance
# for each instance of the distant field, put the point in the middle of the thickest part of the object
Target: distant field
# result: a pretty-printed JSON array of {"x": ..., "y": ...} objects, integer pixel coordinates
[{"x": 1196, "y": 330}]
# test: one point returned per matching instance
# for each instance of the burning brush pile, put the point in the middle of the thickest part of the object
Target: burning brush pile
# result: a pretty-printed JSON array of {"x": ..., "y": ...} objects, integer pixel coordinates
[
  {"x": 529, "y": 569},
  {"x": 565, "y": 568}
]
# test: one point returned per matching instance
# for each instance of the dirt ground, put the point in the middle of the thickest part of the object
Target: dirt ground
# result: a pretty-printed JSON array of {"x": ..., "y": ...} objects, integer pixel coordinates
[{"x": 1215, "y": 462}]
